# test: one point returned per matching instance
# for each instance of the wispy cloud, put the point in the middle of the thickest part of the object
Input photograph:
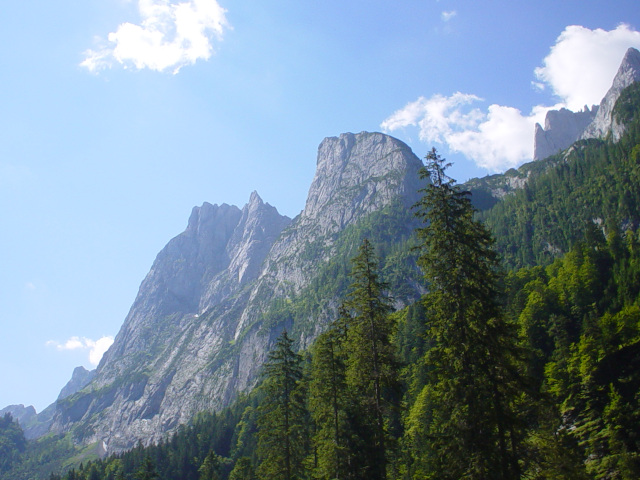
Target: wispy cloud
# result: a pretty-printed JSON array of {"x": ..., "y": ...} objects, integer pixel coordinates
[
  {"x": 95, "y": 348},
  {"x": 446, "y": 16},
  {"x": 578, "y": 69},
  {"x": 170, "y": 36}
]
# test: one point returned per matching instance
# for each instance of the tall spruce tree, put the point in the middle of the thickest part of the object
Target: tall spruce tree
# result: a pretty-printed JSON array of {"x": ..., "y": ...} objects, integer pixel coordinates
[
  {"x": 282, "y": 415},
  {"x": 371, "y": 368},
  {"x": 210, "y": 468},
  {"x": 463, "y": 423},
  {"x": 331, "y": 402}
]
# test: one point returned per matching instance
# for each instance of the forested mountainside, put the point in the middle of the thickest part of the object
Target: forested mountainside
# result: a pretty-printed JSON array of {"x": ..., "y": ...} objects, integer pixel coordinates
[
  {"x": 528, "y": 373},
  {"x": 593, "y": 182}
]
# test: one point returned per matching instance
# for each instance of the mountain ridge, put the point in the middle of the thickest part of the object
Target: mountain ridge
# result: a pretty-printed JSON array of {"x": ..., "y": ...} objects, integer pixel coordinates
[
  {"x": 199, "y": 328},
  {"x": 563, "y": 127}
]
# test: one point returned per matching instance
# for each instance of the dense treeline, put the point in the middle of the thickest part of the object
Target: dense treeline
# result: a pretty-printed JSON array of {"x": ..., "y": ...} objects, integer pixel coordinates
[{"x": 532, "y": 373}]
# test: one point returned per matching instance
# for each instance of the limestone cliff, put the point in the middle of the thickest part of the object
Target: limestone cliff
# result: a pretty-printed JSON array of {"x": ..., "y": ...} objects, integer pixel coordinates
[
  {"x": 196, "y": 334},
  {"x": 563, "y": 127},
  {"x": 603, "y": 124}
]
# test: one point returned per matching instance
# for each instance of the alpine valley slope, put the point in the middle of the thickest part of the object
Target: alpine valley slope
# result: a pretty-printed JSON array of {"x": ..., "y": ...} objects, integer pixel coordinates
[{"x": 220, "y": 293}]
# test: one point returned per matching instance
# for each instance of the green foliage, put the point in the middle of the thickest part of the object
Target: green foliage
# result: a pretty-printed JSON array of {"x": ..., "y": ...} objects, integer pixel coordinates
[
  {"x": 371, "y": 368},
  {"x": 464, "y": 422},
  {"x": 282, "y": 415},
  {"x": 210, "y": 468},
  {"x": 242, "y": 470},
  {"x": 594, "y": 181},
  {"x": 147, "y": 470},
  {"x": 330, "y": 404},
  {"x": 12, "y": 442},
  {"x": 590, "y": 330}
]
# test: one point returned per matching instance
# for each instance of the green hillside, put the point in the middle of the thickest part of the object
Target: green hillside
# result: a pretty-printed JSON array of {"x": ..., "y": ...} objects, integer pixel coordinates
[{"x": 594, "y": 182}]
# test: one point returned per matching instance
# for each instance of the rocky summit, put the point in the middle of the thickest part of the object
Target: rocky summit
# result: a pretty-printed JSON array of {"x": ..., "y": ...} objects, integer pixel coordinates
[
  {"x": 199, "y": 330},
  {"x": 563, "y": 127}
]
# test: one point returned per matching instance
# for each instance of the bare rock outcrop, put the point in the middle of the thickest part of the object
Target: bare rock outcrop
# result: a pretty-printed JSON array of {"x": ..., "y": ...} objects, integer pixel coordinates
[{"x": 196, "y": 336}]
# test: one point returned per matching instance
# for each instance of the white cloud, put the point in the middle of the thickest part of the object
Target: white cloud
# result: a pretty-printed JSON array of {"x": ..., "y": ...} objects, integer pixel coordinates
[
  {"x": 170, "y": 36},
  {"x": 446, "y": 16},
  {"x": 96, "y": 348},
  {"x": 582, "y": 64},
  {"x": 579, "y": 69},
  {"x": 437, "y": 116},
  {"x": 500, "y": 138}
]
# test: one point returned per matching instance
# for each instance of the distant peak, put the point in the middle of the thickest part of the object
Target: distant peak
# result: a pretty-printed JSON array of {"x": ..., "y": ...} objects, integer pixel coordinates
[
  {"x": 208, "y": 213},
  {"x": 255, "y": 198},
  {"x": 629, "y": 70},
  {"x": 632, "y": 57}
]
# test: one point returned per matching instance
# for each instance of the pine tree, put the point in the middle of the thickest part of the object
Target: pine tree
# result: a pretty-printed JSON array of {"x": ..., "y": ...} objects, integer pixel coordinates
[
  {"x": 210, "y": 468},
  {"x": 242, "y": 470},
  {"x": 282, "y": 415},
  {"x": 371, "y": 368},
  {"x": 463, "y": 423},
  {"x": 330, "y": 403},
  {"x": 147, "y": 470}
]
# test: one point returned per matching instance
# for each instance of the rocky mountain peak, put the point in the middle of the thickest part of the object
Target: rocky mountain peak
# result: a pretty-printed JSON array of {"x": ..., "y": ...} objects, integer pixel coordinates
[
  {"x": 200, "y": 328},
  {"x": 629, "y": 71},
  {"x": 603, "y": 124},
  {"x": 563, "y": 127},
  {"x": 359, "y": 173},
  {"x": 258, "y": 228},
  {"x": 79, "y": 379}
]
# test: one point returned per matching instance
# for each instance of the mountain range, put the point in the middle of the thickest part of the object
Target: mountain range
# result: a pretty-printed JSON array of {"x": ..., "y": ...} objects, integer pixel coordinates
[
  {"x": 220, "y": 293},
  {"x": 210, "y": 308}
]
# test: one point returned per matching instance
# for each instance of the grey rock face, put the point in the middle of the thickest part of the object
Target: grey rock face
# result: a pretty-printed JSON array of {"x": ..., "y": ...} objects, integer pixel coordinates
[
  {"x": 20, "y": 413},
  {"x": 157, "y": 373},
  {"x": 79, "y": 379},
  {"x": 603, "y": 124},
  {"x": 194, "y": 337},
  {"x": 561, "y": 129},
  {"x": 35, "y": 425},
  {"x": 356, "y": 174}
]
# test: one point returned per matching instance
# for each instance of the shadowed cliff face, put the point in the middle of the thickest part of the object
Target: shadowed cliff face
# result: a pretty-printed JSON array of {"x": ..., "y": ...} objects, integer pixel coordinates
[{"x": 194, "y": 336}]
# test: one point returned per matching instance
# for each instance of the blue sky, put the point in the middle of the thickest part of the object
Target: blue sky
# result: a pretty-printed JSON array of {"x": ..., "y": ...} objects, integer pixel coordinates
[{"x": 118, "y": 116}]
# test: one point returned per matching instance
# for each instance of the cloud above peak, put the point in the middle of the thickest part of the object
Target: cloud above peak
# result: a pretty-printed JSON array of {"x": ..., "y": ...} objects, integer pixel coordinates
[
  {"x": 578, "y": 70},
  {"x": 497, "y": 138},
  {"x": 582, "y": 64},
  {"x": 95, "y": 348},
  {"x": 170, "y": 36}
]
